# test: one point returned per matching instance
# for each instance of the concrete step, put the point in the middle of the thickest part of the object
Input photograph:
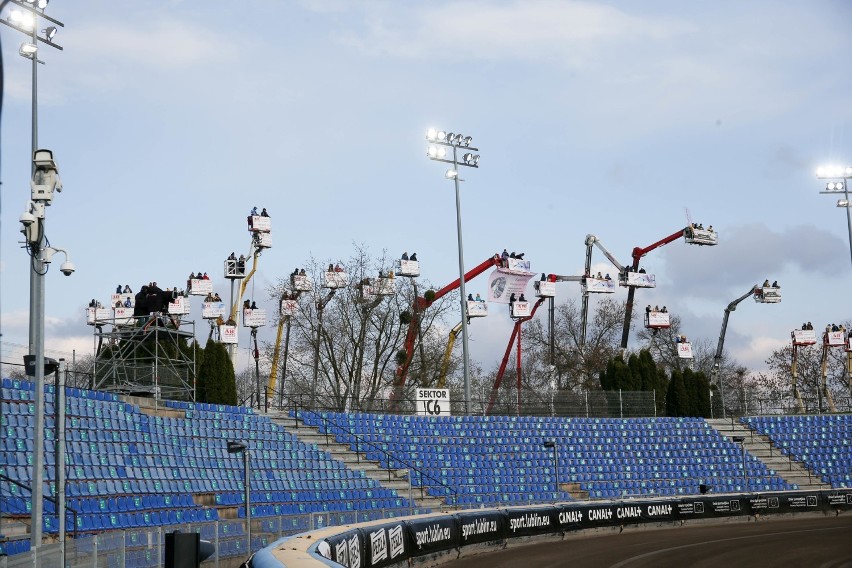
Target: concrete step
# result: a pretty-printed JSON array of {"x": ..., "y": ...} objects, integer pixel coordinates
[{"x": 391, "y": 479}]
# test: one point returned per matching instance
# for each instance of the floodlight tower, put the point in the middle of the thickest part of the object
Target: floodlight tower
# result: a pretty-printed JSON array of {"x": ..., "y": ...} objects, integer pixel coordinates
[
  {"x": 838, "y": 183},
  {"x": 441, "y": 140}
]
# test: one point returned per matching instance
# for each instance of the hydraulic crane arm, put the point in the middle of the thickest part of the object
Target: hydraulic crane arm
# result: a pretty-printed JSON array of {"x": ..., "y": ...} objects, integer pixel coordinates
[
  {"x": 593, "y": 240},
  {"x": 731, "y": 307},
  {"x": 445, "y": 363},
  {"x": 421, "y": 303},
  {"x": 254, "y": 253},
  {"x": 516, "y": 329},
  {"x": 637, "y": 254}
]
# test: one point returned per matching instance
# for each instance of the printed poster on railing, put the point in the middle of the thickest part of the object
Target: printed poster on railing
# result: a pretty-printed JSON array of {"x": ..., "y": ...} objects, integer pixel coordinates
[{"x": 504, "y": 282}]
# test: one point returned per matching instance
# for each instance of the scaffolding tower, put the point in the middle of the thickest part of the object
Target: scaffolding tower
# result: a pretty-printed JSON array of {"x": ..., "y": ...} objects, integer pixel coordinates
[{"x": 147, "y": 356}]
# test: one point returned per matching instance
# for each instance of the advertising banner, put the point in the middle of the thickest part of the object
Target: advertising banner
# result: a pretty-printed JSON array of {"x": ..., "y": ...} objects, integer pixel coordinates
[
  {"x": 684, "y": 350},
  {"x": 262, "y": 224},
  {"x": 335, "y": 279},
  {"x": 123, "y": 299},
  {"x": 199, "y": 287},
  {"x": 301, "y": 283},
  {"x": 212, "y": 310},
  {"x": 804, "y": 336},
  {"x": 228, "y": 333},
  {"x": 347, "y": 549},
  {"x": 701, "y": 236},
  {"x": 386, "y": 544},
  {"x": 545, "y": 288},
  {"x": 179, "y": 306},
  {"x": 410, "y": 268},
  {"x": 485, "y": 526},
  {"x": 502, "y": 283},
  {"x": 519, "y": 265},
  {"x": 433, "y": 402},
  {"x": 476, "y": 309},
  {"x": 835, "y": 338},
  {"x": 640, "y": 280},
  {"x": 289, "y": 307},
  {"x": 254, "y": 318},
  {"x": 521, "y": 309},
  {"x": 600, "y": 286},
  {"x": 384, "y": 286},
  {"x": 531, "y": 521},
  {"x": 432, "y": 535},
  {"x": 123, "y": 316},
  {"x": 658, "y": 319}
]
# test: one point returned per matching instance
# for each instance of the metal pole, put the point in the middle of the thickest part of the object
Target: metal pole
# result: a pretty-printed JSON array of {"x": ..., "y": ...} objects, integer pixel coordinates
[
  {"x": 232, "y": 348},
  {"x": 59, "y": 452},
  {"x": 465, "y": 346},
  {"x": 248, "y": 498},
  {"x": 38, "y": 402},
  {"x": 848, "y": 211},
  {"x": 745, "y": 477},
  {"x": 556, "y": 464},
  {"x": 316, "y": 354}
]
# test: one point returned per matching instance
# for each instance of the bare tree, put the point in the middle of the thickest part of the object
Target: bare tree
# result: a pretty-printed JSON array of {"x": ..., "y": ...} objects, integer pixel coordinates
[{"x": 344, "y": 341}]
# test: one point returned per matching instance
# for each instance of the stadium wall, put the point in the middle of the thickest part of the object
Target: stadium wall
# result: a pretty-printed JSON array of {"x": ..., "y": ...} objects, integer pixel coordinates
[{"x": 388, "y": 543}]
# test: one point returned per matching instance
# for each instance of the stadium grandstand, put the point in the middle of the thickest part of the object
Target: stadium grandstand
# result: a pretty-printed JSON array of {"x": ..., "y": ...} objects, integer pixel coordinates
[{"x": 137, "y": 469}]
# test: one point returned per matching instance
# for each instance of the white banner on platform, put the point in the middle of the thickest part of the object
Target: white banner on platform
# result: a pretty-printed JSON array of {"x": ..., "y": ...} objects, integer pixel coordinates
[
  {"x": 200, "y": 287},
  {"x": 289, "y": 307},
  {"x": 228, "y": 333},
  {"x": 213, "y": 310},
  {"x": 254, "y": 318},
  {"x": 641, "y": 280},
  {"x": 658, "y": 319},
  {"x": 804, "y": 336},
  {"x": 684, "y": 350},
  {"x": 835, "y": 338},
  {"x": 504, "y": 282}
]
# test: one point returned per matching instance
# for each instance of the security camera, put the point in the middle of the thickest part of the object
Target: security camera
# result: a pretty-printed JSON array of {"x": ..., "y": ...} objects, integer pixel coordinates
[
  {"x": 67, "y": 268},
  {"x": 27, "y": 218}
]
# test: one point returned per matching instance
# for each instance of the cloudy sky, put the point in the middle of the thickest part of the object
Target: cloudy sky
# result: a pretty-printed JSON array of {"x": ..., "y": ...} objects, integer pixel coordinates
[{"x": 171, "y": 119}]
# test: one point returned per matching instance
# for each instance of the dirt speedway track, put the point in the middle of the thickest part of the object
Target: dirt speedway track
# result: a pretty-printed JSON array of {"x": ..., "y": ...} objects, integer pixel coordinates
[{"x": 811, "y": 542}]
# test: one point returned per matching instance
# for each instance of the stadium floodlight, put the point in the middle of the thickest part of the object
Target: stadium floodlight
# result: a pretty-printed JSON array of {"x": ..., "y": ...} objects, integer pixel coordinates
[
  {"x": 42, "y": 4},
  {"x": 50, "y": 32},
  {"x": 440, "y": 139},
  {"x": 839, "y": 184},
  {"x": 237, "y": 448},
  {"x": 28, "y": 50},
  {"x": 21, "y": 19},
  {"x": 843, "y": 203}
]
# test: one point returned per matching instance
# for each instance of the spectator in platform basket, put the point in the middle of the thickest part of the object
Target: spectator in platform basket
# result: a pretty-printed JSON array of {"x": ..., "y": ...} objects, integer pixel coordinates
[
  {"x": 93, "y": 303},
  {"x": 543, "y": 277},
  {"x": 775, "y": 284},
  {"x": 232, "y": 256},
  {"x": 404, "y": 255},
  {"x": 338, "y": 268},
  {"x": 253, "y": 305},
  {"x": 118, "y": 289},
  {"x": 330, "y": 268},
  {"x": 656, "y": 308},
  {"x": 834, "y": 327},
  {"x": 504, "y": 257},
  {"x": 205, "y": 277},
  {"x": 766, "y": 283},
  {"x": 302, "y": 272},
  {"x": 414, "y": 256},
  {"x": 220, "y": 320},
  {"x": 390, "y": 274},
  {"x": 607, "y": 277},
  {"x": 264, "y": 213},
  {"x": 522, "y": 299},
  {"x": 648, "y": 309},
  {"x": 246, "y": 305},
  {"x": 253, "y": 212},
  {"x": 710, "y": 228},
  {"x": 810, "y": 326},
  {"x": 208, "y": 297},
  {"x": 230, "y": 321},
  {"x": 665, "y": 310},
  {"x": 216, "y": 297},
  {"x": 381, "y": 274},
  {"x": 599, "y": 276},
  {"x": 241, "y": 263},
  {"x": 470, "y": 297},
  {"x": 512, "y": 298},
  {"x": 128, "y": 303},
  {"x": 127, "y": 289},
  {"x": 641, "y": 271},
  {"x": 479, "y": 298},
  {"x": 118, "y": 303},
  {"x": 140, "y": 307}
]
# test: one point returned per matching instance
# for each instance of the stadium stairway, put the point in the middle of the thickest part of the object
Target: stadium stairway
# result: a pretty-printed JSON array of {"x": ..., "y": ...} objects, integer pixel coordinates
[
  {"x": 388, "y": 478},
  {"x": 759, "y": 446}
]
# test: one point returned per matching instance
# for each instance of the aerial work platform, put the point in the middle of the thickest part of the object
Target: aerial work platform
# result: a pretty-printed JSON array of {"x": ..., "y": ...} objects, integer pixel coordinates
[
  {"x": 695, "y": 236},
  {"x": 598, "y": 285},
  {"x": 767, "y": 294},
  {"x": 657, "y": 320}
]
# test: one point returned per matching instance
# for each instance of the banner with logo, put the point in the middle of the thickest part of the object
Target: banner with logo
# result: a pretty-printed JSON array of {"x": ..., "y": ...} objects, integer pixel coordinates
[
  {"x": 485, "y": 526},
  {"x": 502, "y": 283},
  {"x": 531, "y": 521},
  {"x": 386, "y": 544},
  {"x": 433, "y": 534}
]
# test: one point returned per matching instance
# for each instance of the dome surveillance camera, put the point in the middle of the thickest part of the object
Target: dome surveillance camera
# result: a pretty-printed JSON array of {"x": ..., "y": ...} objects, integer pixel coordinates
[
  {"x": 67, "y": 268},
  {"x": 27, "y": 219}
]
